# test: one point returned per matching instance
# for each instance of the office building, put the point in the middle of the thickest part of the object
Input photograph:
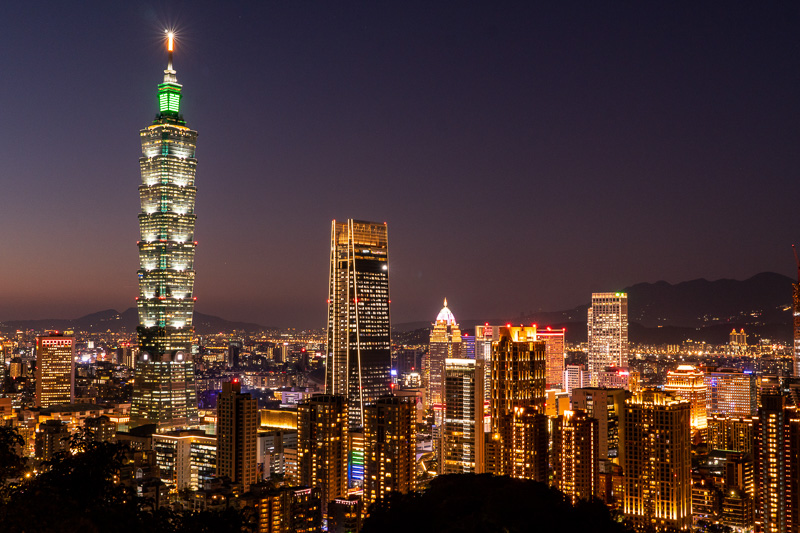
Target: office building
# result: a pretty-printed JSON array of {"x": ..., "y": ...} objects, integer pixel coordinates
[
  {"x": 237, "y": 426},
  {"x": 345, "y": 515},
  {"x": 55, "y": 370},
  {"x": 657, "y": 461},
  {"x": 524, "y": 443},
  {"x": 445, "y": 343},
  {"x": 732, "y": 433},
  {"x": 575, "y": 377},
  {"x": 358, "y": 359},
  {"x": 322, "y": 445},
  {"x": 575, "y": 458},
  {"x": 608, "y": 407},
  {"x": 777, "y": 472},
  {"x": 517, "y": 383},
  {"x": 689, "y": 383},
  {"x": 187, "y": 459},
  {"x": 462, "y": 447},
  {"x": 389, "y": 447},
  {"x": 608, "y": 332},
  {"x": 554, "y": 355},
  {"x": 731, "y": 392},
  {"x": 164, "y": 388},
  {"x": 290, "y": 510}
]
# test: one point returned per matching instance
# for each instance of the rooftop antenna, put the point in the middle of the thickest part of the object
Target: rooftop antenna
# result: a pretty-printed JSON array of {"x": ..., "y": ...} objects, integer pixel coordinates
[{"x": 170, "y": 48}]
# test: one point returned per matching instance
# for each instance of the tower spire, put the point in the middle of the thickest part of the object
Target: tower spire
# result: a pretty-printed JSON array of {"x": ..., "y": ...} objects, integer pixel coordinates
[{"x": 170, "y": 74}]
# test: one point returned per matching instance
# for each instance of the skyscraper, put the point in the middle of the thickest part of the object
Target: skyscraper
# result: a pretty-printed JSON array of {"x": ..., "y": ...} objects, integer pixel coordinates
[
  {"x": 237, "y": 427},
  {"x": 517, "y": 390},
  {"x": 608, "y": 332},
  {"x": 575, "y": 457},
  {"x": 658, "y": 461},
  {"x": 731, "y": 392},
  {"x": 777, "y": 473},
  {"x": 389, "y": 447},
  {"x": 322, "y": 445},
  {"x": 689, "y": 383},
  {"x": 358, "y": 359},
  {"x": 55, "y": 370},
  {"x": 554, "y": 354},
  {"x": 462, "y": 431},
  {"x": 164, "y": 388},
  {"x": 608, "y": 407},
  {"x": 445, "y": 342}
]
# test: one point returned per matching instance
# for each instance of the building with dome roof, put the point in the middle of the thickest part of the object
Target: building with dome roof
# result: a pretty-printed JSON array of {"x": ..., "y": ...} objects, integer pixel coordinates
[{"x": 445, "y": 343}]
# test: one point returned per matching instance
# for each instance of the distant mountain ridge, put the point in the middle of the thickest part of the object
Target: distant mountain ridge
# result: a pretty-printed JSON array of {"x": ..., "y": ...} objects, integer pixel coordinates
[
  {"x": 111, "y": 319},
  {"x": 662, "y": 312}
]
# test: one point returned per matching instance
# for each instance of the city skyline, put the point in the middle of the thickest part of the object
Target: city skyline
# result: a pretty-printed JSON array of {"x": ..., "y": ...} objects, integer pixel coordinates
[{"x": 629, "y": 137}]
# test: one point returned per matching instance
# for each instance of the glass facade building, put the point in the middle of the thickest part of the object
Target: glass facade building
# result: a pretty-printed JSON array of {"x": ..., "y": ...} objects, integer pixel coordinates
[
  {"x": 358, "y": 359},
  {"x": 164, "y": 386},
  {"x": 608, "y": 333}
]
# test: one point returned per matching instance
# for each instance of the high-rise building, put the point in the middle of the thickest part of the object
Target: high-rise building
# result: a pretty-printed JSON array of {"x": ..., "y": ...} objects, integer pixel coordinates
[
  {"x": 524, "y": 442},
  {"x": 731, "y": 392},
  {"x": 237, "y": 427},
  {"x": 389, "y": 447},
  {"x": 734, "y": 433},
  {"x": 608, "y": 407},
  {"x": 345, "y": 515},
  {"x": 358, "y": 360},
  {"x": 164, "y": 387},
  {"x": 55, "y": 370},
  {"x": 517, "y": 383},
  {"x": 463, "y": 435},
  {"x": 554, "y": 355},
  {"x": 575, "y": 377},
  {"x": 186, "y": 459},
  {"x": 657, "y": 462},
  {"x": 689, "y": 383},
  {"x": 575, "y": 457},
  {"x": 322, "y": 445},
  {"x": 445, "y": 342},
  {"x": 777, "y": 472},
  {"x": 290, "y": 510},
  {"x": 608, "y": 332}
]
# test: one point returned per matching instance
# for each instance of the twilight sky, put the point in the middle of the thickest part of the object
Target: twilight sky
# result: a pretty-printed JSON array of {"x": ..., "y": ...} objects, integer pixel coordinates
[{"x": 524, "y": 154}]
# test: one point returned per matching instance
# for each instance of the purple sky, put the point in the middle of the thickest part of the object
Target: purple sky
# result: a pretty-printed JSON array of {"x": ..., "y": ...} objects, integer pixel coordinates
[{"x": 523, "y": 156}]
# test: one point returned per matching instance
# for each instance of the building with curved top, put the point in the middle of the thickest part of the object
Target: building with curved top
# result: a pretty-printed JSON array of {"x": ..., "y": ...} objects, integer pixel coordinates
[{"x": 445, "y": 343}]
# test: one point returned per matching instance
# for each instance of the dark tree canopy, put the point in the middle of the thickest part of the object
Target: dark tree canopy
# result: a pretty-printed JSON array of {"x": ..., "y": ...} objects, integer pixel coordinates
[{"x": 485, "y": 503}]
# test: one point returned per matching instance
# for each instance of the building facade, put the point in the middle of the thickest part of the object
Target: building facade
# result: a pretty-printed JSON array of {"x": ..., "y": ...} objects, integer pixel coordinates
[
  {"x": 608, "y": 332},
  {"x": 657, "y": 463},
  {"x": 554, "y": 355},
  {"x": 166, "y": 264},
  {"x": 358, "y": 360},
  {"x": 689, "y": 383},
  {"x": 389, "y": 447},
  {"x": 237, "y": 427},
  {"x": 55, "y": 370},
  {"x": 322, "y": 445},
  {"x": 608, "y": 407},
  {"x": 731, "y": 392},
  {"x": 462, "y": 448},
  {"x": 575, "y": 457},
  {"x": 445, "y": 342}
]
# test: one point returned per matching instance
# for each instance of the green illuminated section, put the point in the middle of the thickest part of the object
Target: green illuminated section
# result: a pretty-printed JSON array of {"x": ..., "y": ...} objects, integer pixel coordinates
[{"x": 169, "y": 98}]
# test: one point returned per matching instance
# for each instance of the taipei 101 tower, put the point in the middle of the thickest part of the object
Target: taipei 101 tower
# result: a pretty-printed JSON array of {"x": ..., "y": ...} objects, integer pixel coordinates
[{"x": 164, "y": 384}]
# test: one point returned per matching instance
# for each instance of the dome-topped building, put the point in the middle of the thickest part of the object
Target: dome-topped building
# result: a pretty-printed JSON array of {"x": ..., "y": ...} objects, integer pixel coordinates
[{"x": 445, "y": 343}]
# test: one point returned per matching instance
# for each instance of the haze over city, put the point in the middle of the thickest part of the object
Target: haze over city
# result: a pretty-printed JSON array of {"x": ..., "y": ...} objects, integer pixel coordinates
[{"x": 522, "y": 156}]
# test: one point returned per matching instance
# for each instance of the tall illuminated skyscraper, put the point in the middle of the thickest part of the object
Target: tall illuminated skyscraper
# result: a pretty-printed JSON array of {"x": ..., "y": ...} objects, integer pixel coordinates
[
  {"x": 445, "y": 343},
  {"x": 608, "y": 332},
  {"x": 554, "y": 350},
  {"x": 462, "y": 432},
  {"x": 575, "y": 458},
  {"x": 237, "y": 427},
  {"x": 389, "y": 447},
  {"x": 55, "y": 370},
  {"x": 164, "y": 387},
  {"x": 358, "y": 358}
]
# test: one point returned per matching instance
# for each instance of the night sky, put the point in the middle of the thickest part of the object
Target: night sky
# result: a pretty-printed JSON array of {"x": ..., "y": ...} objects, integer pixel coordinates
[{"x": 524, "y": 154}]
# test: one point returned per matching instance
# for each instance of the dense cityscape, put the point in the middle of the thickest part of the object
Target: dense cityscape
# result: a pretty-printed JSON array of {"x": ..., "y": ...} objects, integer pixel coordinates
[{"x": 360, "y": 426}]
